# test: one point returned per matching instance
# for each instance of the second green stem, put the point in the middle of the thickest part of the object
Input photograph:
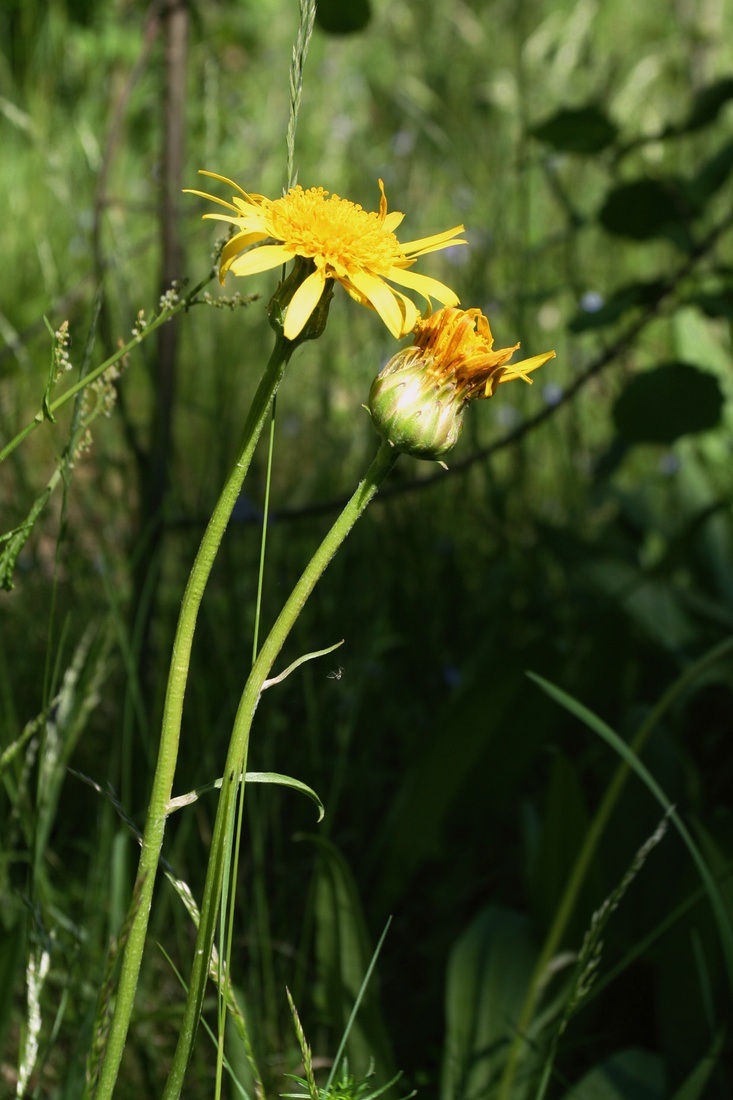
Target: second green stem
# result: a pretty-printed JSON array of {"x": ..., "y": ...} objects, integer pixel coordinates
[{"x": 237, "y": 755}]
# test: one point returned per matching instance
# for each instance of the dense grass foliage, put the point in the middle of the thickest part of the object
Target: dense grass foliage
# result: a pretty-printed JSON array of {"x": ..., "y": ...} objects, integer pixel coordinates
[{"x": 583, "y": 532}]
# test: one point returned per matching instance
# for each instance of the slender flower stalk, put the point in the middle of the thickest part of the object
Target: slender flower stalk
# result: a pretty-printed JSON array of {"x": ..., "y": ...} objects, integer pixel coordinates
[
  {"x": 237, "y": 756},
  {"x": 172, "y": 715},
  {"x": 344, "y": 242},
  {"x": 418, "y": 400}
]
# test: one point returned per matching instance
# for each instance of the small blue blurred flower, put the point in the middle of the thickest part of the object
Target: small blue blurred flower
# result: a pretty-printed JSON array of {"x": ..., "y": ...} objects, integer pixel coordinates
[
  {"x": 669, "y": 463},
  {"x": 403, "y": 143},
  {"x": 452, "y": 675},
  {"x": 592, "y": 301},
  {"x": 507, "y": 416},
  {"x": 552, "y": 393}
]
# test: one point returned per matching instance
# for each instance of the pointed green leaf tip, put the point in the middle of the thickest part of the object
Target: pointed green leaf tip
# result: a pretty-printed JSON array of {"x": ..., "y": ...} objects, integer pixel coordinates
[{"x": 287, "y": 781}]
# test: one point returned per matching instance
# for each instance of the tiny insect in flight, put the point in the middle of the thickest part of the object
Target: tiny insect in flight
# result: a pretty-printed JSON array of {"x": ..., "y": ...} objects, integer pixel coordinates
[{"x": 336, "y": 673}]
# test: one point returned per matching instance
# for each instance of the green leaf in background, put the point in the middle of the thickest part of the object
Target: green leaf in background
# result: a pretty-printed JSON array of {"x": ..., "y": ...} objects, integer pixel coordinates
[
  {"x": 712, "y": 176},
  {"x": 714, "y": 304},
  {"x": 344, "y": 953},
  {"x": 629, "y": 1075},
  {"x": 489, "y": 971},
  {"x": 584, "y": 130},
  {"x": 670, "y": 401},
  {"x": 707, "y": 104},
  {"x": 695, "y": 1085},
  {"x": 643, "y": 209},
  {"x": 336, "y": 17},
  {"x": 625, "y": 298}
]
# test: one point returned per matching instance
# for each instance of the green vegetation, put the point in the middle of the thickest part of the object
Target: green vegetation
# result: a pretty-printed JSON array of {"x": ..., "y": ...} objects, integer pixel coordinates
[{"x": 521, "y": 886}]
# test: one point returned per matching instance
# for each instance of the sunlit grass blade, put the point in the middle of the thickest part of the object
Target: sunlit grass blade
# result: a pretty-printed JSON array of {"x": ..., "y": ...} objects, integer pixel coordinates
[{"x": 275, "y": 778}]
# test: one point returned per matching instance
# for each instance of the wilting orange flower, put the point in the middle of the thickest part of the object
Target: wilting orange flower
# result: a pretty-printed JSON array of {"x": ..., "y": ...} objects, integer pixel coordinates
[
  {"x": 457, "y": 345},
  {"x": 346, "y": 243},
  {"x": 417, "y": 401}
]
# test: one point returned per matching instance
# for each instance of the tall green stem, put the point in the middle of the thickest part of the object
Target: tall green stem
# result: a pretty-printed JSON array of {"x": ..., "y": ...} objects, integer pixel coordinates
[
  {"x": 173, "y": 710},
  {"x": 237, "y": 755}
]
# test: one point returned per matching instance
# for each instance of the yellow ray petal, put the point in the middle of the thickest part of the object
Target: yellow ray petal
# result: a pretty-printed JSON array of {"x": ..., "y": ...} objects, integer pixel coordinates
[
  {"x": 211, "y": 198},
  {"x": 524, "y": 366},
  {"x": 261, "y": 259},
  {"x": 224, "y": 179},
  {"x": 425, "y": 285},
  {"x": 392, "y": 220},
  {"x": 303, "y": 302},
  {"x": 382, "y": 297},
  {"x": 234, "y": 247},
  {"x": 411, "y": 314},
  {"x": 431, "y": 244},
  {"x": 233, "y": 220}
]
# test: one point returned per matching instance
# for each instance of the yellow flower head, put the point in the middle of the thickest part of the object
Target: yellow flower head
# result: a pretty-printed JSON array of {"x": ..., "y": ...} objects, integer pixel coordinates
[
  {"x": 353, "y": 246},
  {"x": 418, "y": 400}
]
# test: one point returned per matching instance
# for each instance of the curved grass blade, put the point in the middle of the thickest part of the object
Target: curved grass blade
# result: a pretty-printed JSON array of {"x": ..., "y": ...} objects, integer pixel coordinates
[
  {"x": 625, "y": 752},
  {"x": 276, "y": 778}
]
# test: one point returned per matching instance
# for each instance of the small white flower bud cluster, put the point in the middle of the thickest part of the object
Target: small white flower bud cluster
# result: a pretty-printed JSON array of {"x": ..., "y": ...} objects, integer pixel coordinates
[
  {"x": 171, "y": 298},
  {"x": 100, "y": 398},
  {"x": 228, "y": 301},
  {"x": 140, "y": 325},
  {"x": 62, "y": 343}
]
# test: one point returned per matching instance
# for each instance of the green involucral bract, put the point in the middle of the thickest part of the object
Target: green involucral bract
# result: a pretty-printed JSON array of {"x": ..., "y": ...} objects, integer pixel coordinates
[{"x": 416, "y": 412}]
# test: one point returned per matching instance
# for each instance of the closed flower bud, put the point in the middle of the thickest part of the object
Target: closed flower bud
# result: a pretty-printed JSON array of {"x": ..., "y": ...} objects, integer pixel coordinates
[
  {"x": 414, "y": 410},
  {"x": 418, "y": 400}
]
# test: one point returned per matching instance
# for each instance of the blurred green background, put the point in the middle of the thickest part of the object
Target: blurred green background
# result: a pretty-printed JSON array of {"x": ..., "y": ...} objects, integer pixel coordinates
[{"x": 583, "y": 531}]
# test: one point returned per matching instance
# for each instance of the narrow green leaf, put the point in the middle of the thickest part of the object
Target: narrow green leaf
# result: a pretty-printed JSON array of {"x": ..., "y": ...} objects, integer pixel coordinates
[
  {"x": 286, "y": 781},
  {"x": 250, "y": 777},
  {"x": 604, "y": 731},
  {"x": 46, "y": 411}
]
